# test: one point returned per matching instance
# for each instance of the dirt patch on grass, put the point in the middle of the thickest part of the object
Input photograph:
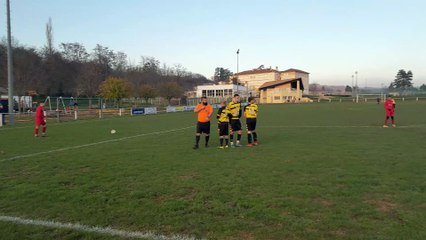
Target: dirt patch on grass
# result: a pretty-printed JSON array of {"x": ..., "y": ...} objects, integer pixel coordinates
[
  {"x": 85, "y": 169},
  {"x": 243, "y": 235},
  {"x": 324, "y": 202},
  {"x": 340, "y": 233},
  {"x": 423, "y": 205},
  {"x": 285, "y": 213},
  {"x": 187, "y": 177},
  {"x": 382, "y": 205}
]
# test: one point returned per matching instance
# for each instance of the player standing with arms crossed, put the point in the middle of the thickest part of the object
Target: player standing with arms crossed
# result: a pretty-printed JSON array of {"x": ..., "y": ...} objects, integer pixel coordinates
[
  {"x": 205, "y": 111},
  {"x": 250, "y": 112},
  {"x": 234, "y": 107},
  {"x": 40, "y": 120},
  {"x": 223, "y": 125},
  {"x": 390, "y": 111}
]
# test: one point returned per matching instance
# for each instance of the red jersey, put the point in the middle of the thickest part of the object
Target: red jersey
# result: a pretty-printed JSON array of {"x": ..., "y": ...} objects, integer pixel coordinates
[
  {"x": 40, "y": 113},
  {"x": 389, "y": 104}
]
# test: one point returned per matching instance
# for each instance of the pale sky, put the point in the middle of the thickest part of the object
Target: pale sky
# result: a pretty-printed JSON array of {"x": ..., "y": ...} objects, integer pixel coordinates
[{"x": 331, "y": 39}]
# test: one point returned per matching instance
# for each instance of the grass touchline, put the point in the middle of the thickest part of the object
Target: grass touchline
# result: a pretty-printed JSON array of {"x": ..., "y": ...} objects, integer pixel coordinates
[
  {"x": 94, "y": 229},
  {"x": 93, "y": 144}
]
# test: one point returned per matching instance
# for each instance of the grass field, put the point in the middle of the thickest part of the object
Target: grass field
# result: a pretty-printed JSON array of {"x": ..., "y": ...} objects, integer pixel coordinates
[{"x": 322, "y": 171}]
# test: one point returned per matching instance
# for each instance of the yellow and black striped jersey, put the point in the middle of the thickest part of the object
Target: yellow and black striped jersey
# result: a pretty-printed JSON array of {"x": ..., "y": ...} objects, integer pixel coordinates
[
  {"x": 235, "y": 110},
  {"x": 251, "y": 110},
  {"x": 222, "y": 115}
]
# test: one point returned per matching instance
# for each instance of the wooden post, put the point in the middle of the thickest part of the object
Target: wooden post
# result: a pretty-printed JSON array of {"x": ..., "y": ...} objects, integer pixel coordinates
[{"x": 298, "y": 90}]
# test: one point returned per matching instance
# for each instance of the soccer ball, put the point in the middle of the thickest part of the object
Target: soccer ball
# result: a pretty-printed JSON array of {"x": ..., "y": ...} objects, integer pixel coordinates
[{"x": 113, "y": 131}]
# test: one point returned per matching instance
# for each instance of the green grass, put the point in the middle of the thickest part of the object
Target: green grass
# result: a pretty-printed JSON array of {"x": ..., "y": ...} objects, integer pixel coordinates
[{"x": 315, "y": 175}]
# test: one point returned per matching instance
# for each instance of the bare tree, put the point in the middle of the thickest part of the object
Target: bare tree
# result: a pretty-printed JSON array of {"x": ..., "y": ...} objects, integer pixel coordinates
[
  {"x": 49, "y": 37},
  {"x": 147, "y": 92},
  {"x": 74, "y": 52},
  {"x": 120, "y": 63},
  {"x": 171, "y": 90}
]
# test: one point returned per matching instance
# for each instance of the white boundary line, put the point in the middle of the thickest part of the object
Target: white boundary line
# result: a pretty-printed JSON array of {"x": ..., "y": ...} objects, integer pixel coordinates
[
  {"x": 55, "y": 123},
  {"x": 93, "y": 229},
  {"x": 93, "y": 144},
  {"x": 319, "y": 126}
]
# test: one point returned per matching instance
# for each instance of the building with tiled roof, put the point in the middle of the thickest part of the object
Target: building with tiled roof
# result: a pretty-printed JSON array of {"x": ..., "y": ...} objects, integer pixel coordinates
[
  {"x": 282, "y": 91},
  {"x": 255, "y": 78}
]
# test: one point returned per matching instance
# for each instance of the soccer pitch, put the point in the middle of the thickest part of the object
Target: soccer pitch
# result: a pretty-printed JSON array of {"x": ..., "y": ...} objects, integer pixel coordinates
[{"x": 321, "y": 171}]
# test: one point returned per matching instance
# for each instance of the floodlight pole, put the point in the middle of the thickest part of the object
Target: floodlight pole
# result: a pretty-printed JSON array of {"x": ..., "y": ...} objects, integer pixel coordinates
[
  {"x": 238, "y": 67},
  {"x": 356, "y": 81},
  {"x": 238, "y": 61},
  {"x": 9, "y": 67}
]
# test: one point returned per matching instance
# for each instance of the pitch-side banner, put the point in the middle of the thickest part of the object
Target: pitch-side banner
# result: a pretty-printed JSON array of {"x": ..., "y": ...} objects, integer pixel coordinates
[
  {"x": 138, "y": 111},
  {"x": 180, "y": 109},
  {"x": 151, "y": 110},
  {"x": 189, "y": 108},
  {"x": 170, "y": 109}
]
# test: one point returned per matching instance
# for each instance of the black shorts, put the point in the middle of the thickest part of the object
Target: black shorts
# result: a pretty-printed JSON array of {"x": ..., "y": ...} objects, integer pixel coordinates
[
  {"x": 223, "y": 129},
  {"x": 235, "y": 125},
  {"x": 251, "y": 124},
  {"x": 203, "y": 127}
]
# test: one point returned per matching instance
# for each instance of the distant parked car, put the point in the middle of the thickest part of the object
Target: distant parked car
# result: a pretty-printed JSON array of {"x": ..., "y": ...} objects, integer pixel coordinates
[{"x": 4, "y": 107}]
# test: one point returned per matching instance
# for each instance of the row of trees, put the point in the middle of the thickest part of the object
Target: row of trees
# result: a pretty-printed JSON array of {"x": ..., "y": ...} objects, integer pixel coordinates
[
  {"x": 117, "y": 88},
  {"x": 72, "y": 70},
  {"x": 402, "y": 83}
]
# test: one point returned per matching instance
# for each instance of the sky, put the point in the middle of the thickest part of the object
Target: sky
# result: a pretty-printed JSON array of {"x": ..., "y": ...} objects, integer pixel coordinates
[{"x": 330, "y": 39}]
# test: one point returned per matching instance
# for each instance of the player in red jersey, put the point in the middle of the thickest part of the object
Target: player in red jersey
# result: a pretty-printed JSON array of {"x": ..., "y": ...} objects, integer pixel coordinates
[
  {"x": 390, "y": 110},
  {"x": 40, "y": 120}
]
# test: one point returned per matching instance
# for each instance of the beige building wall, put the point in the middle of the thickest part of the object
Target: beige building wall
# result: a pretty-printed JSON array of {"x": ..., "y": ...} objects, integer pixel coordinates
[
  {"x": 280, "y": 94},
  {"x": 294, "y": 74},
  {"x": 254, "y": 81}
]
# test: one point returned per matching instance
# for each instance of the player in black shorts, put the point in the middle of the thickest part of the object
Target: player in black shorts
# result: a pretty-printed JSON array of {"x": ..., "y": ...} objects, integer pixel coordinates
[
  {"x": 223, "y": 125},
  {"x": 204, "y": 112},
  {"x": 250, "y": 112},
  {"x": 235, "y": 112},
  {"x": 203, "y": 127}
]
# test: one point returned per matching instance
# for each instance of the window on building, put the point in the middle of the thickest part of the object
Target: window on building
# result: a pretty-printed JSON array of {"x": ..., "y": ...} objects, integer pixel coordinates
[
  {"x": 219, "y": 93},
  {"x": 210, "y": 93},
  {"x": 227, "y": 92},
  {"x": 204, "y": 93},
  {"x": 277, "y": 97}
]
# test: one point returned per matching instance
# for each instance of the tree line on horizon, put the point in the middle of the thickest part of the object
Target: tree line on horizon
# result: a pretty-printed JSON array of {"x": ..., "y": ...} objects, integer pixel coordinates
[
  {"x": 72, "y": 70},
  {"x": 401, "y": 84}
]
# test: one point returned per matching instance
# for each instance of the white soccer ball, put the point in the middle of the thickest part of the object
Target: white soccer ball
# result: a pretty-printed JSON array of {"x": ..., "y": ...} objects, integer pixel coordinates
[{"x": 113, "y": 131}]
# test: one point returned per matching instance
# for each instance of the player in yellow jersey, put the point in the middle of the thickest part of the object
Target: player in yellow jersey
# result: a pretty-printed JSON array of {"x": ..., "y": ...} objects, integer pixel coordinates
[
  {"x": 223, "y": 125},
  {"x": 250, "y": 112},
  {"x": 235, "y": 111}
]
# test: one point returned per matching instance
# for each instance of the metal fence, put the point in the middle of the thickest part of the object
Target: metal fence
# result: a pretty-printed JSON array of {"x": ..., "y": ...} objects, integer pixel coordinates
[
  {"x": 64, "y": 110},
  {"x": 362, "y": 99}
]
